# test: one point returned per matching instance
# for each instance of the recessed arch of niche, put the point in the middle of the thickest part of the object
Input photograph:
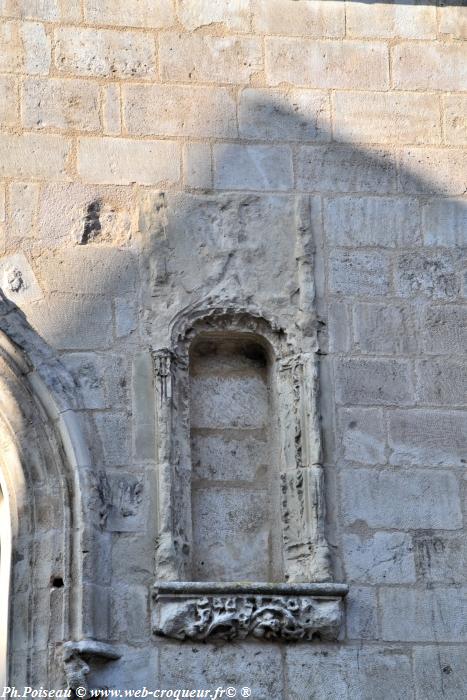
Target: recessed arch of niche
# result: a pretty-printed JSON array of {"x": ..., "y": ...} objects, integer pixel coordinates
[{"x": 228, "y": 374}]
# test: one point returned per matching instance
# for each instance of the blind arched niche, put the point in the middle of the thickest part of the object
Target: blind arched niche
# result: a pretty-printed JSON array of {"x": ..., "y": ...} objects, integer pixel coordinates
[{"x": 229, "y": 382}]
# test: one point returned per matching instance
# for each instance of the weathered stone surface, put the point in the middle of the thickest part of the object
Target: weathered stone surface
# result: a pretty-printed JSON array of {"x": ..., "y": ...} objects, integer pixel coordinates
[
  {"x": 441, "y": 382},
  {"x": 445, "y": 222},
  {"x": 372, "y": 221},
  {"x": 339, "y": 327},
  {"x": 312, "y": 19},
  {"x": 453, "y": 21},
  {"x": 361, "y": 613},
  {"x": 24, "y": 47},
  {"x": 211, "y": 59},
  {"x": 363, "y": 435},
  {"x": 111, "y": 112},
  {"x": 130, "y": 13},
  {"x": 428, "y": 437},
  {"x": 438, "y": 171},
  {"x": 115, "y": 440},
  {"x": 293, "y": 115},
  {"x": 238, "y": 167},
  {"x": 220, "y": 458},
  {"x": 374, "y": 382},
  {"x": 344, "y": 169},
  {"x": 409, "y": 20},
  {"x": 445, "y": 329},
  {"x": 455, "y": 121},
  {"x": 179, "y": 110},
  {"x": 381, "y": 117},
  {"x": 33, "y": 155},
  {"x": 61, "y": 104},
  {"x": 104, "y": 52},
  {"x": 439, "y": 671},
  {"x": 228, "y": 402},
  {"x": 47, "y": 10},
  {"x": 386, "y": 557},
  {"x": 440, "y": 558},
  {"x": 8, "y": 101},
  {"x": 401, "y": 499},
  {"x": 201, "y": 665},
  {"x": 384, "y": 328},
  {"x": 24, "y": 200},
  {"x": 429, "y": 66},
  {"x": 197, "y": 165},
  {"x": 359, "y": 273},
  {"x": 233, "y": 14},
  {"x": 17, "y": 280},
  {"x": 425, "y": 274},
  {"x": 331, "y": 673},
  {"x": 332, "y": 64},
  {"x": 423, "y": 615},
  {"x": 123, "y": 161}
]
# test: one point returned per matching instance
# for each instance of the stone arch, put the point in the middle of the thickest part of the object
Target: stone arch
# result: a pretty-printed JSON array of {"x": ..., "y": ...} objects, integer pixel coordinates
[{"x": 47, "y": 484}]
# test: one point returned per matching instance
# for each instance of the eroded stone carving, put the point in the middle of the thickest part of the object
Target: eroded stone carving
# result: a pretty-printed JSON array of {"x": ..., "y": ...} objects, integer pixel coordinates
[
  {"x": 288, "y": 618},
  {"x": 77, "y": 657}
]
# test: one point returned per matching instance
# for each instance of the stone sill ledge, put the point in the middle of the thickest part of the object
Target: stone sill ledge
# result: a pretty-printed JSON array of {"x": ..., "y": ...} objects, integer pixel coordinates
[{"x": 205, "y": 611}]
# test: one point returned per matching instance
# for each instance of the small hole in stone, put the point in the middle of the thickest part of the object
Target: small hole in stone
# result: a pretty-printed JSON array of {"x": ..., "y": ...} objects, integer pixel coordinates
[{"x": 57, "y": 582}]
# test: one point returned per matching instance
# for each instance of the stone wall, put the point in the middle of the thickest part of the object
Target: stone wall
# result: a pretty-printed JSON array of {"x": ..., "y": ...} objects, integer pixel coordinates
[{"x": 209, "y": 120}]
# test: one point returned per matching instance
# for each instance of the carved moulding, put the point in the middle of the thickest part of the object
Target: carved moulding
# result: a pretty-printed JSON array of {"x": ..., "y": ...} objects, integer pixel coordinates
[{"x": 285, "y": 612}]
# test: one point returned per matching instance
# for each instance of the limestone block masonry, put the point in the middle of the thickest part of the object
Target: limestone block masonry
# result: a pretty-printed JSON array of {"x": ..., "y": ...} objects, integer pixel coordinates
[{"x": 233, "y": 321}]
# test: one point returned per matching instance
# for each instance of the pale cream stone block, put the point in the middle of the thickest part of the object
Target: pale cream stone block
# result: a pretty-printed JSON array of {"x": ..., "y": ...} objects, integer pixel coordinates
[
  {"x": 193, "y": 57},
  {"x": 61, "y": 104},
  {"x": 312, "y": 18},
  {"x": 123, "y": 161},
  {"x": 111, "y": 113},
  {"x": 24, "y": 47},
  {"x": 233, "y": 14},
  {"x": 8, "y": 101},
  {"x": 24, "y": 200},
  {"x": 293, "y": 115},
  {"x": 429, "y": 66},
  {"x": 130, "y": 13},
  {"x": 438, "y": 170},
  {"x": 2, "y": 203},
  {"x": 382, "y": 117},
  {"x": 34, "y": 155},
  {"x": 386, "y": 20},
  {"x": 455, "y": 119},
  {"x": 198, "y": 165},
  {"x": 176, "y": 110},
  {"x": 47, "y": 10},
  {"x": 329, "y": 64},
  {"x": 453, "y": 21},
  {"x": 104, "y": 52}
]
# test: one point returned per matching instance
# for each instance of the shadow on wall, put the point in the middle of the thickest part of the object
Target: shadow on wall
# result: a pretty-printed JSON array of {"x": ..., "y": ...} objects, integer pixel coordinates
[{"x": 383, "y": 232}]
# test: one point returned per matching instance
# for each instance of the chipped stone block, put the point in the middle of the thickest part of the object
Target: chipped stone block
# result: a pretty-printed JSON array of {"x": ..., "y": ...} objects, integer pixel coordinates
[
  {"x": 332, "y": 64},
  {"x": 361, "y": 613},
  {"x": 363, "y": 435},
  {"x": 428, "y": 437},
  {"x": 123, "y": 161},
  {"x": 385, "y": 557},
  {"x": 359, "y": 273},
  {"x": 310, "y": 19},
  {"x": 416, "y": 498},
  {"x": 426, "y": 273},
  {"x": 374, "y": 381},
  {"x": 17, "y": 280},
  {"x": 179, "y": 110},
  {"x": 382, "y": 117},
  {"x": 429, "y": 66},
  {"x": 339, "y": 168},
  {"x": 240, "y": 167},
  {"x": 130, "y": 13},
  {"x": 209, "y": 59},
  {"x": 410, "y": 614},
  {"x": 379, "y": 328},
  {"x": 294, "y": 115},
  {"x": 334, "y": 673},
  {"x": 445, "y": 222},
  {"x": 105, "y": 53},
  {"x": 372, "y": 221}
]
